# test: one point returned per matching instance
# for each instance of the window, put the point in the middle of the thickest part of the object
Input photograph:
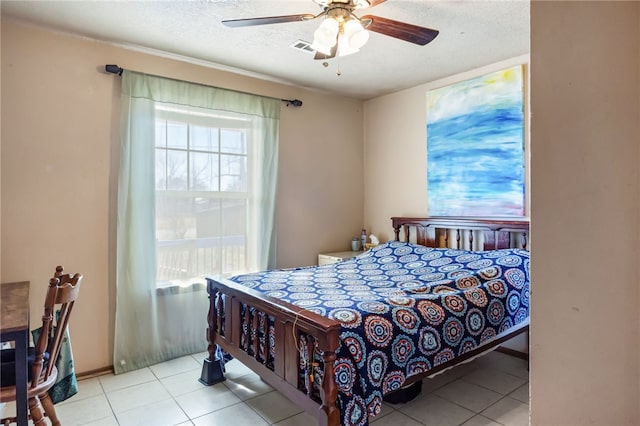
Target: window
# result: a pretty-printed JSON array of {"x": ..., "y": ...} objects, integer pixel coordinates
[{"x": 203, "y": 184}]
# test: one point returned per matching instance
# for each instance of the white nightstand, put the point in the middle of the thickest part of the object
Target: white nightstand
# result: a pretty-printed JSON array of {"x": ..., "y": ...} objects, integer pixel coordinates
[{"x": 338, "y": 256}]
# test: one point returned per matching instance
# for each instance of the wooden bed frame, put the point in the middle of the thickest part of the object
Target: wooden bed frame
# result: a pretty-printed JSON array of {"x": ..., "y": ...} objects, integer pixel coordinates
[{"x": 268, "y": 335}]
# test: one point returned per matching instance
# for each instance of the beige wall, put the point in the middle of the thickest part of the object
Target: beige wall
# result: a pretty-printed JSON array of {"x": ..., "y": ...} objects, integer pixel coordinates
[
  {"x": 59, "y": 157},
  {"x": 585, "y": 103},
  {"x": 585, "y": 188}
]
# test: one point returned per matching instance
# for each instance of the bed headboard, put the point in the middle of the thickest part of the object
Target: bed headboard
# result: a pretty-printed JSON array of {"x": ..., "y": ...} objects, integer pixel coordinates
[{"x": 464, "y": 232}]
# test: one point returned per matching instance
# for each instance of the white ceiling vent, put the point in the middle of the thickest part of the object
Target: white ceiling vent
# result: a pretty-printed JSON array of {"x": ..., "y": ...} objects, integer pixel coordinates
[{"x": 305, "y": 46}]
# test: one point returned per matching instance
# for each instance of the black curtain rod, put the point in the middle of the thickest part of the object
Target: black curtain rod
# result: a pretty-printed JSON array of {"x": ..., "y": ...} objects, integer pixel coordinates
[{"x": 114, "y": 69}]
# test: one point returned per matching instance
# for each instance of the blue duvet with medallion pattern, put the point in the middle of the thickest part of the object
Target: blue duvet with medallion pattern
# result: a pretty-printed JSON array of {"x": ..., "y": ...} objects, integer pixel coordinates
[{"x": 404, "y": 309}]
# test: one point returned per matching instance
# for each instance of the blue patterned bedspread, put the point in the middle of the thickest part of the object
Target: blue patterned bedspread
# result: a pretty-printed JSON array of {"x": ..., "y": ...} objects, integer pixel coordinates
[{"x": 404, "y": 309}]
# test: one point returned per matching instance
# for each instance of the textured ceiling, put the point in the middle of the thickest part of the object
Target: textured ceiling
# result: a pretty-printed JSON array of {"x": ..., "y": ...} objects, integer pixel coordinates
[{"x": 472, "y": 34}]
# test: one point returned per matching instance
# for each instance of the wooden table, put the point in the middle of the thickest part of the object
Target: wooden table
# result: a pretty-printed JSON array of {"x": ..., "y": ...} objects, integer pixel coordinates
[{"x": 14, "y": 325}]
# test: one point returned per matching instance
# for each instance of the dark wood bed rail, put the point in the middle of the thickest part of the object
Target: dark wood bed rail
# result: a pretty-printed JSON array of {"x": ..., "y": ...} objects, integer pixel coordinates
[
  {"x": 434, "y": 231},
  {"x": 294, "y": 327}
]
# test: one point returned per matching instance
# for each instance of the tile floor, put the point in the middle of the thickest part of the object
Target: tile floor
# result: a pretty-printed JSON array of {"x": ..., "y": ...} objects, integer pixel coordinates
[{"x": 490, "y": 391}]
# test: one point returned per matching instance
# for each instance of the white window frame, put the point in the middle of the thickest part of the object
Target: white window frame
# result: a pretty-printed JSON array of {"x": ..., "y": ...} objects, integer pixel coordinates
[{"x": 220, "y": 121}]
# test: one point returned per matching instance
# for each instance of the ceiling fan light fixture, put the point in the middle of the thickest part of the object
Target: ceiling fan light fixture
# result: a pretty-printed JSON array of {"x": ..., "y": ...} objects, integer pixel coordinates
[
  {"x": 359, "y": 4},
  {"x": 324, "y": 38},
  {"x": 344, "y": 47},
  {"x": 356, "y": 36}
]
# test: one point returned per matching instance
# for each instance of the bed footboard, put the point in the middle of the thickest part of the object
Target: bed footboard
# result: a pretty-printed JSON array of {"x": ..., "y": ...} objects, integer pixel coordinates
[{"x": 287, "y": 346}]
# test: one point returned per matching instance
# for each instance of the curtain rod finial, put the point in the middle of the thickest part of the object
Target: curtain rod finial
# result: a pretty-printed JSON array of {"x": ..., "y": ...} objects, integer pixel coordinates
[
  {"x": 294, "y": 102},
  {"x": 113, "y": 69}
]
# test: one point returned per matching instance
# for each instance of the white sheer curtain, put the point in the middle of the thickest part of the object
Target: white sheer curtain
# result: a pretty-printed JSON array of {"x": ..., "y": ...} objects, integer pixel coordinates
[{"x": 152, "y": 326}]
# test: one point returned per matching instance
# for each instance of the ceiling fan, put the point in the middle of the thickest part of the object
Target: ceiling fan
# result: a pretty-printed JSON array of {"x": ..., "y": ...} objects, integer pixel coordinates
[{"x": 342, "y": 32}]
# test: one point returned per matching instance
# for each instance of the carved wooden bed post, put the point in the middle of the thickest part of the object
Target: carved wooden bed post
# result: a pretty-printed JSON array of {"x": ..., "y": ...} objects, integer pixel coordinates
[
  {"x": 212, "y": 367},
  {"x": 329, "y": 390}
]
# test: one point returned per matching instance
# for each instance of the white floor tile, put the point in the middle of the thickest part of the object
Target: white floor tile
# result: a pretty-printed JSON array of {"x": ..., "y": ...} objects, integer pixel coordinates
[
  {"x": 95, "y": 408},
  {"x": 86, "y": 389},
  {"x": 176, "y": 366},
  {"x": 508, "y": 411},
  {"x": 235, "y": 369},
  {"x": 463, "y": 369},
  {"x": 480, "y": 420},
  {"x": 236, "y": 415},
  {"x": 431, "y": 410},
  {"x": 7, "y": 409},
  {"x": 107, "y": 421},
  {"x": 436, "y": 382},
  {"x": 206, "y": 400},
  {"x": 395, "y": 419},
  {"x": 200, "y": 357},
  {"x": 182, "y": 383},
  {"x": 247, "y": 386},
  {"x": 163, "y": 413},
  {"x": 137, "y": 396},
  {"x": 507, "y": 363},
  {"x": 302, "y": 419},
  {"x": 113, "y": 382},
  {"x": 521, "y": 394},
  {"x": 273, "y": 407},
  {"x": 496, "y": 380},
  {"x": 468, "y": 395}
]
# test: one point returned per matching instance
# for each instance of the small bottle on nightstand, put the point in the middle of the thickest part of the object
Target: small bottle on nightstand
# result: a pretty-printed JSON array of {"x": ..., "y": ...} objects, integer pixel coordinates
[{"x": 363, "y": 238}]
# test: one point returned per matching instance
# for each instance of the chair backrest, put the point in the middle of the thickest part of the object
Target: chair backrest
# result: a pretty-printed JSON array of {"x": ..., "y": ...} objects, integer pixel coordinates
[{"x": 61, "y": 296}]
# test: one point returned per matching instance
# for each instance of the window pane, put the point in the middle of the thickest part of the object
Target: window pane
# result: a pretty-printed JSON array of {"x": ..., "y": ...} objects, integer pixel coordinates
[
  {"x": 192, "y": 242},
  {"x": 233, "y": 141},
  {"x": 161, "y": 133},
  {"x": 233, "y": 173},
  {"x": 176, "y": 135},
  {"x": 234, "y": 216},
  {"x": 161, "y": 169},
  {"x": 204, "y": 172},
  {"x": 174, "y": 217},
  {"x": 177, "y": 170},
  {"x": 175, "y": 228},
  {"x": 204, "y": 138},
  {"x": 207, "y": 211}
]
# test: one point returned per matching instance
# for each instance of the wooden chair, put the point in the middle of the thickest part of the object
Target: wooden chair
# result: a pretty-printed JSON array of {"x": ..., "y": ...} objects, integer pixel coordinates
[{"x": 61, "y": 296}]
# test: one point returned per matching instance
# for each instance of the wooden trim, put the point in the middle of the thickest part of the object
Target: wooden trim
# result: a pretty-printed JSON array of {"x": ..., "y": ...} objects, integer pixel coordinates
[
  {"x": 95, "y": 373},
  {"x": 513, "y": 352}
]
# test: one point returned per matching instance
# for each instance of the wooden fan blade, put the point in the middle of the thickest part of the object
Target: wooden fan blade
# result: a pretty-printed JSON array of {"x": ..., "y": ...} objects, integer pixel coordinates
[
  {"x": 267, "y": 20},
  {"x": 401, "y": 30}
]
